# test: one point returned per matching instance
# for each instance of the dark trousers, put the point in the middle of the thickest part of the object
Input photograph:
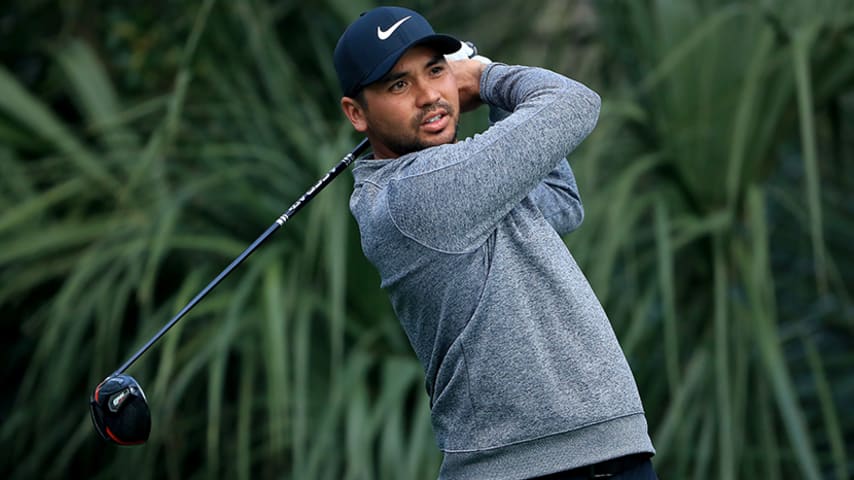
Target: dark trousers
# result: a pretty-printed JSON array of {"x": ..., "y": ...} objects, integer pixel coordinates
[{"x": 633, "y": 467}]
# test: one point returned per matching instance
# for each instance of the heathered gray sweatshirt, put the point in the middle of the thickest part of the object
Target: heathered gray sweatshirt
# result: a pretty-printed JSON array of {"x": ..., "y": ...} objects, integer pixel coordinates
[{"x": 523, "y": 370}]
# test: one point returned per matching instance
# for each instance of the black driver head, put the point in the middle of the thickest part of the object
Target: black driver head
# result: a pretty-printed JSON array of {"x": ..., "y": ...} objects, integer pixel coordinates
[{"x": 120, "y": 411}]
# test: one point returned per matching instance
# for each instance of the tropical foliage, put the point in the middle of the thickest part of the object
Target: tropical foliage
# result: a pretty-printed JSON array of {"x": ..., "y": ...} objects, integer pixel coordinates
[{"x": 144, "y": 145}]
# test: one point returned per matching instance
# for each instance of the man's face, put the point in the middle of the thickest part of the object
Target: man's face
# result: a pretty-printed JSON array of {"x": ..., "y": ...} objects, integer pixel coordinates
[{"x": 413, "y": 107}]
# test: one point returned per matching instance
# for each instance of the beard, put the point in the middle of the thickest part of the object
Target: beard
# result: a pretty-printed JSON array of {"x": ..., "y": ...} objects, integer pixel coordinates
[{"x": 402, "y": 143}]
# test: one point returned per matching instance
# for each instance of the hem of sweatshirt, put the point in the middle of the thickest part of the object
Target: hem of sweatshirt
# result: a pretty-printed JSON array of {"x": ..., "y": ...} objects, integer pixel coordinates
[{"x": 555, "y": 453}]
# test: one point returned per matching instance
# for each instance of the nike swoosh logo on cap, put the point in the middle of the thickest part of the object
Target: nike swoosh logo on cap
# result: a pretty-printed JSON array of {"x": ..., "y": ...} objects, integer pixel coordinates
[{"x": 384, "y": 34}]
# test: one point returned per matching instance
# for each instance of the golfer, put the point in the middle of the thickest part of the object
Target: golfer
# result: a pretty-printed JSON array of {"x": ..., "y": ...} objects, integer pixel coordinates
[{"x": 525, "y": 376}]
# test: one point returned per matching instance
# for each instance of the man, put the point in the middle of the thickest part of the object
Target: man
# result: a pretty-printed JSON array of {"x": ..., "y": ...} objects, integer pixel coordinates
[{"x": 523, "y": 370}]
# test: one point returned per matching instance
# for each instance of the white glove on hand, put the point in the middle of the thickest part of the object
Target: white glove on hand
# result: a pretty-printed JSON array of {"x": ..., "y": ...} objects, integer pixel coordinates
[{"x": 467, "y": 50}]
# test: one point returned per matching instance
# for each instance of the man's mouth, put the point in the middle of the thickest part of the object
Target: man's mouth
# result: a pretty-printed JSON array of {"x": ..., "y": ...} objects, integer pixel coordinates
[{"x": 435, "y": 122}]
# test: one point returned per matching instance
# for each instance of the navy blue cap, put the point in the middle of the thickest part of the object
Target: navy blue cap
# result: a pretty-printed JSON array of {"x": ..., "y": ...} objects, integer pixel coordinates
[{"x": 372, "y": 44}]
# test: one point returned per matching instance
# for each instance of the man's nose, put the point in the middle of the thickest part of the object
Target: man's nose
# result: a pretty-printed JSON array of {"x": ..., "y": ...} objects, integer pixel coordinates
[{"x": 427, "y": 94}]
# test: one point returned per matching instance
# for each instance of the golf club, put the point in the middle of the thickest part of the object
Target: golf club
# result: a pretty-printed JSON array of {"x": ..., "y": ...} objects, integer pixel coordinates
[{"x": 118, "y": 405}]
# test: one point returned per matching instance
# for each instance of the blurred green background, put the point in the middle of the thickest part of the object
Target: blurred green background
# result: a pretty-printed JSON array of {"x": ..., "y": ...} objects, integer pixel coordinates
[{"x": 143, "y": 145}]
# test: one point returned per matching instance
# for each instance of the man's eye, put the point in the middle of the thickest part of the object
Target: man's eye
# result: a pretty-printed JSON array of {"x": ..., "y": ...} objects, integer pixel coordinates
[
  {"x": 398, "y": 85},
  {"x": 438, "y": 69}
]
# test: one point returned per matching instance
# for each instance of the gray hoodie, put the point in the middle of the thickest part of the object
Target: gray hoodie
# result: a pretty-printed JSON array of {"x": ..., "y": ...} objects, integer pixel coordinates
[{"x": 523, "y": 370}]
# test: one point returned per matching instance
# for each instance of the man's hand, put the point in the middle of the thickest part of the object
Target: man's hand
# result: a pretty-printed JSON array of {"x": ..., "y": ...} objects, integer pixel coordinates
[
  {"x": 468, "y": 66},
  {"x": 468, "y": 73}
]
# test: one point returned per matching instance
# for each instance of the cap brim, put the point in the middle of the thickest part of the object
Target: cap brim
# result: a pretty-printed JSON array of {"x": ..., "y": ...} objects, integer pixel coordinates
[{"x": 443, "y": 44}]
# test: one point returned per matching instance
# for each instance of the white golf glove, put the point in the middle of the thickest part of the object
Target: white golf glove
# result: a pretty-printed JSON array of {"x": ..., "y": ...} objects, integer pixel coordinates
[{"x": 467, "y": 50}]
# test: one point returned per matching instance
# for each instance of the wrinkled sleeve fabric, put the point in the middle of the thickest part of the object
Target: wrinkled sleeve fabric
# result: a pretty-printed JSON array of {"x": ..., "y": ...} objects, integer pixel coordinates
[{"x": 557, "y": 195}]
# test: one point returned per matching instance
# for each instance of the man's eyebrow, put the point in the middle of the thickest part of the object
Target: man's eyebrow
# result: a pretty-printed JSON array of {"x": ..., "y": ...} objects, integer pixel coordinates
[
  {"x": 437, "y": 59},
  {"x": 392, "y": 76}
]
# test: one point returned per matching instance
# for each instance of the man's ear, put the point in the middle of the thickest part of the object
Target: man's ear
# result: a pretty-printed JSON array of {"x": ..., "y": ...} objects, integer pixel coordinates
[{"x": 355, "y": 113}]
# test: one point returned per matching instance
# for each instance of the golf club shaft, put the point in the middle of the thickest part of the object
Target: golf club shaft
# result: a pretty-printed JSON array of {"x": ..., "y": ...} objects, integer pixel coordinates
[{"x": 308, "y": 195}]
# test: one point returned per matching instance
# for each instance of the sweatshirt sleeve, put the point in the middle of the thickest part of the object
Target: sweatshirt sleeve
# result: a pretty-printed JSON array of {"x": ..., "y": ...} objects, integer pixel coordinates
[
  {"x": 558, "y": 199},
  {"x": 450, "y": 197},
  {"x": 557, "y": 195}
]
